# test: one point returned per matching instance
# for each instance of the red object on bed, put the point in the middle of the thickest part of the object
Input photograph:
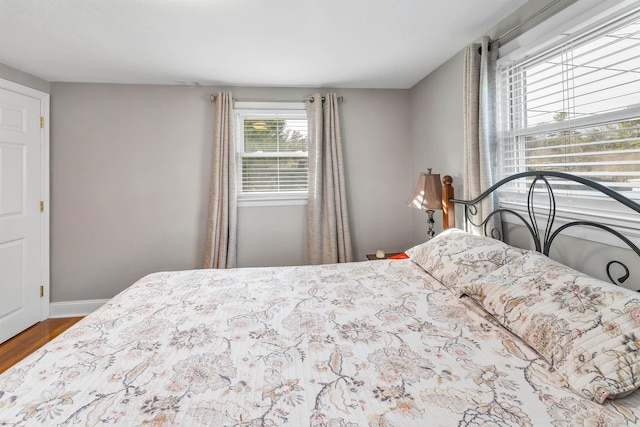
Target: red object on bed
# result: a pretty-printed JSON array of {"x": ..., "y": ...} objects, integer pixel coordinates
[{"x": 399, "y": 256}]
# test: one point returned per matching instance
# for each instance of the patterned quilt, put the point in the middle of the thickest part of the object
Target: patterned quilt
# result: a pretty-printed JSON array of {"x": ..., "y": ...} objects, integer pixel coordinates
[{"x": 377, "y": 343}]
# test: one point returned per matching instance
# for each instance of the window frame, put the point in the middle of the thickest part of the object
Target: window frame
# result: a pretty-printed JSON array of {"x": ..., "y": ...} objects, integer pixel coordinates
[
  {"x": 266, "y": 110},
  {"x": 570, "y": 24}
]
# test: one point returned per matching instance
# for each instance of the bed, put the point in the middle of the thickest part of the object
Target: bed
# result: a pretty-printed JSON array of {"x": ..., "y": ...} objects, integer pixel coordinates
[{"x": 467, "y": 331}]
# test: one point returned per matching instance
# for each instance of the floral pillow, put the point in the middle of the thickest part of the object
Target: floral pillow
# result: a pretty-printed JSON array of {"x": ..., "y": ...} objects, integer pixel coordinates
[
  {"x": 456, "y": 257},
  {"x": 587, "y": 329}
]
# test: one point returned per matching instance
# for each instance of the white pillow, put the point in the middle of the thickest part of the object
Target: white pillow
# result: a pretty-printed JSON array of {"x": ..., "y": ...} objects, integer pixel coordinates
[
  {"x": 587, "y": 329},
  {"x": 457, "y": 258}
]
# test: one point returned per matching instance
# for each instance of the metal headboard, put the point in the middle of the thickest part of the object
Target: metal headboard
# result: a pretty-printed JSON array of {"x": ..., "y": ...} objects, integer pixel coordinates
[{"x": 543, "y": 239}]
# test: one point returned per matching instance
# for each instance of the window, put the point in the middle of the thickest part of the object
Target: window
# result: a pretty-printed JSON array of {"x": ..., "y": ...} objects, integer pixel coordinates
[
  {"x": 272, "y": 152},
  {"x": 576, "y": 108}
]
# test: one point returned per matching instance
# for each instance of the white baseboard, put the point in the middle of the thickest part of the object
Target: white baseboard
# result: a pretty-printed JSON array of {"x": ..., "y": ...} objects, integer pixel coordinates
[{"x": 74, "y": 308}]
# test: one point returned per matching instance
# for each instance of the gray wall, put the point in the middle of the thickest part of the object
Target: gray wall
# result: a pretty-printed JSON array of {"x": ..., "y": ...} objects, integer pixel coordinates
[
  {"x": 130, "y": 169},
  {"x": 437, "y": 132}
]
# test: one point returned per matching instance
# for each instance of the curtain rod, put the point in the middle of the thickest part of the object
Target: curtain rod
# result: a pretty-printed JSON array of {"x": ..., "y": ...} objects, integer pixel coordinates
[
  {"x": 535, "y": 15},
  {"x": 310, "y": 99}
]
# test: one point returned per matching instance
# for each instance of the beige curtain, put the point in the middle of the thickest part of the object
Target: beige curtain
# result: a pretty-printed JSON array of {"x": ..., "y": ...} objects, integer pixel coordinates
[
  {"x": 328, "y": 234},
  {"x": 220, "y": 251},
  {"x": 480, "y": 135}
]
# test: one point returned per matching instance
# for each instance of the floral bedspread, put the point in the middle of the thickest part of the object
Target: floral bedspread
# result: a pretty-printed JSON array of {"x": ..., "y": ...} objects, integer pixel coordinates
[{"x": 377, "y": 343}]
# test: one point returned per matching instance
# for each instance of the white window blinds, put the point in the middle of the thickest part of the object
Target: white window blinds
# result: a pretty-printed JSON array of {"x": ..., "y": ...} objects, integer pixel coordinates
[
  {"x": 273, "y": 151},
  {"x": 576, "y": 107}
]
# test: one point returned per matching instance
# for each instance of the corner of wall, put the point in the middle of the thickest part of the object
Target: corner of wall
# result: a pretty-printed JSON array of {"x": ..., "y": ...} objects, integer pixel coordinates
[{"x": 25, "y": 79}]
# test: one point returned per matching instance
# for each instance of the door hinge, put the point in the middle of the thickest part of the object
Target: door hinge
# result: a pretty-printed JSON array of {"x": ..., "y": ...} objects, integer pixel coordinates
[
  {"x": 41, "y": 122},
  {"x": 41, "y": 291},
  {"x": 41, "y": 206}
]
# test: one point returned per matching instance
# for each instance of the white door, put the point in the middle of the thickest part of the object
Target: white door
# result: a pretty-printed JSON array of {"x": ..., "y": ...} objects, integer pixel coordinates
[{"x": 20, "y": 214}]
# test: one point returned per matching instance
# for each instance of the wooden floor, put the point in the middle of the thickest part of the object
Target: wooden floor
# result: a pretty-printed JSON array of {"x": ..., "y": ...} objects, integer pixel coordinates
[{"x": 20, "y": 346}]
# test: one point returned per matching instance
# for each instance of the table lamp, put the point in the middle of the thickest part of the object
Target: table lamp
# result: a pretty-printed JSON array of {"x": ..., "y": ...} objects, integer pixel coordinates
[{"x": 428, "y": 197}]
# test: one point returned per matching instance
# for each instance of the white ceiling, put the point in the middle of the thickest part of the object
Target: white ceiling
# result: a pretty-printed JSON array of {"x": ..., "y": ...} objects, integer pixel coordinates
[{"x": 298, "y": 43}]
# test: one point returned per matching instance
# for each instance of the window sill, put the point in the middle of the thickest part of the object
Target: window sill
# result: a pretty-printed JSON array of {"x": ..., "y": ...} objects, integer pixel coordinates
[
  {"x": 271, "y": 199},
  {"x": 626, "y": 225}
]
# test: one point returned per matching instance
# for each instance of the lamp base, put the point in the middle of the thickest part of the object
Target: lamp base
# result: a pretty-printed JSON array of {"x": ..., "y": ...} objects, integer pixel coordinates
[{"x": 430, "y": 233}]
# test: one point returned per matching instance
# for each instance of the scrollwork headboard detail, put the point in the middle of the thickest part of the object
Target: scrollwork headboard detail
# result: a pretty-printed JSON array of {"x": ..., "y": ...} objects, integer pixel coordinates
[{"x": 543, "y": 237}]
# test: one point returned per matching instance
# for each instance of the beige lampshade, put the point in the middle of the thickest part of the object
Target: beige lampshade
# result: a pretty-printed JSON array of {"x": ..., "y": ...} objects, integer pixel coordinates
[{"x": 428, "y": 194}]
